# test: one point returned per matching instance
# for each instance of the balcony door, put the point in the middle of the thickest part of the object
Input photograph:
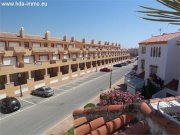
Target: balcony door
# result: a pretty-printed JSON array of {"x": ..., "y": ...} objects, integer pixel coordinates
[
  {"x": 43, "y": 57},
  {"x": 9, "y": 61}
]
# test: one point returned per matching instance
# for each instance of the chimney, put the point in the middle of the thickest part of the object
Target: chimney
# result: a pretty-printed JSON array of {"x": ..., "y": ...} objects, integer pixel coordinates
[
  {"x": 21, "y": 32},
  {"x": 83, "y": 40},
  {"x": 47, "y": 35},
  {"x": 99, "y": 42},
  {"x": 65, "y": 37},
  {"x": 92, "y": 41},
  {"x": 73, "y": 39},
  {"x": 120, "y": 46}
]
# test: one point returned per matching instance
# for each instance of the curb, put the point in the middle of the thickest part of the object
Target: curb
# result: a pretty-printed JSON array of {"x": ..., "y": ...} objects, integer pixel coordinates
[{"x": 70, "y": 117}]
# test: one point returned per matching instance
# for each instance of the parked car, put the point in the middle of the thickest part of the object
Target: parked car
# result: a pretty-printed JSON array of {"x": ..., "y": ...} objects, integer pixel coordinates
[
  {"x": 43, "y": 91},
  {"x": 124, "y": 63},
  {"x": 9, "y": 104},
  {"x": 117, "y": 65},
  {"x": 105, "y": 70},
  {"x": 129, "y": 61}
]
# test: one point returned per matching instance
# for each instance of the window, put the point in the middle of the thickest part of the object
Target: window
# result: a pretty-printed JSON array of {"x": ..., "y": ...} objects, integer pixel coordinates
[
  {"x": 159, "y": 54},
  {"x": 142, "y": 64},
  {"x": 52, "y": 45},
  {"x": 143, "y": 50},
  {"x": 13, "y": 44},
  {"x": 156, "y": 51},
  {"x": 151, "y": 51},
  {"x": 70, "y": 46},
  {"x": 153, "y": 69},
  {"x": 2, "y": 44},
  {"x": 36, "y": 45},
  {"x": 45, "y": 45},
  {"x": 59, "y": 46},
  {"x": 26, "y": 44}
]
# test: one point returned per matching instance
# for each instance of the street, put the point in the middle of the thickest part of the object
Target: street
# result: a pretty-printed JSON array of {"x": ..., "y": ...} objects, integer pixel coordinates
[{"x": 38, "y": 114}]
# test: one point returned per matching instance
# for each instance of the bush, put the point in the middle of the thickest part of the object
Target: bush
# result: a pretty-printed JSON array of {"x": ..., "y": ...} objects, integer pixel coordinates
[
  {"x": 117, "y": 97},
  {"x": 89, "y": 105},
  {"x": 70, "y": 132}
]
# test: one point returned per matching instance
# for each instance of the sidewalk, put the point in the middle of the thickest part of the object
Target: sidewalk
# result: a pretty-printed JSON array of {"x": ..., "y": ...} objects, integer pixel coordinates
[{"x": 64, "y": 125}]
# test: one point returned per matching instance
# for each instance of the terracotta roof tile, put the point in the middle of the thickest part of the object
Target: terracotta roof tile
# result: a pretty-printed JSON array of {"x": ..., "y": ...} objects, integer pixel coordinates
[
  {"x": 145, "y": 109},
  {"x": 97, "y": 123},
  {"x": 173, "y": 128},
  {"x": 78, "y": 112},
  {"x": 161, "y": 38},
  {"x": 123, "y": 123},
  {"x": 82, "y": 130},
  {"x": 100, "y": 131},
  {"x": 80, "y": 121},
  {"x": 114, "y": 125},
  {"x": 115, "y": 108},
  {"x": 138, "y": 129},
  {"x": 126, "y": 118}
]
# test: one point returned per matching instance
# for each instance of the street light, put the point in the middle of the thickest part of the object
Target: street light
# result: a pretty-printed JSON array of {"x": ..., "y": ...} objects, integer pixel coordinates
[
  {"x": 110, "y": 79},
  {"x": 19, "y": 77}
]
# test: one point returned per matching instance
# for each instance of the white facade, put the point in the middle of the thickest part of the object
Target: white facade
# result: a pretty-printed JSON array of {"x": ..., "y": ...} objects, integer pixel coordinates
[{"x": 168, "y": 64}]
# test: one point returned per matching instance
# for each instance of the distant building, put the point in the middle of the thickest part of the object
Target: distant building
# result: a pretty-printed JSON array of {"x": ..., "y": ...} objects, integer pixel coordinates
[
  {"x": 28, "y": 62},
  {"x": 133, "y": 52},
  {"x": 159, "y": 58}
]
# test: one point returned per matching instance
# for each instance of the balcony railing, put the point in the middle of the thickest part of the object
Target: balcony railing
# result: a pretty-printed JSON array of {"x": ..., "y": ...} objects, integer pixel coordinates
[
  {"x": 19, "y": 50},
  {"x": 73, "y": 50},
  {"x": 92, "y": 50},
  {"x": 43, "y": 50}
]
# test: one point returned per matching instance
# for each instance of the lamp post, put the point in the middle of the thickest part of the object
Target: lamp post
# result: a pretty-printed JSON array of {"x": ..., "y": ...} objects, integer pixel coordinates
[
  {"x": 19, "y": 77},
  {"x": 110, "y": 79}
]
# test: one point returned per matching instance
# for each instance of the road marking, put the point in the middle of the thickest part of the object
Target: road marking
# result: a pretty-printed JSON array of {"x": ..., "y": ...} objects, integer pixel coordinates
[
  {"x": 27, "y": 101},
  {"x": 14, "y": 113},
  {"x": 81, "y": 106},
  {"x": 65, "y": 91}
]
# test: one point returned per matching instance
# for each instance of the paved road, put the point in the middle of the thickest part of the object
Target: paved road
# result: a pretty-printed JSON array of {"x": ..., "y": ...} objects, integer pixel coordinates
[{"x": 39, "y": 114}]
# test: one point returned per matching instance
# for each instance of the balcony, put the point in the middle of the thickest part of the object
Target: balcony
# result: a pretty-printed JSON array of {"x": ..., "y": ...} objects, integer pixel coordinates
[
  {"x": 61, "y": 50},
  {"x": 18, "y": 50},
  {"x": 52, "y": 62},
  {"x": 92, "y": 50},
  {"x": 74, "y": 59},
  {"x": 2, "y": 50},
  {"x": 104, "y": 50},
  {"x": 43, "y": 50},
  {"x": 64, "y": 60},
  {"x": 73, "y": 50}
]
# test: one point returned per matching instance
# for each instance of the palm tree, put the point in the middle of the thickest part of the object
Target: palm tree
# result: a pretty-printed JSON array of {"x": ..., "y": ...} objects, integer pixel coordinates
[{"x": 172, "y": 17}]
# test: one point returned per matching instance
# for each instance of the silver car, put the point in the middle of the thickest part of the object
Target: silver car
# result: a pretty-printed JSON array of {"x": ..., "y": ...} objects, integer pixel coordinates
[{"x": 43, "y": 91}]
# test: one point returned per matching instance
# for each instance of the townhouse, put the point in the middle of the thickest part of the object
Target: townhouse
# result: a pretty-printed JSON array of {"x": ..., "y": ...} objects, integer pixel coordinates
[
  {"x": 28, "y": 61},
  {"x": 159, "y": 60}
]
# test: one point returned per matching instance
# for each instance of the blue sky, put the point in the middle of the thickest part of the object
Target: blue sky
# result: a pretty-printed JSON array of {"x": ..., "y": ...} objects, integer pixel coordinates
[{"x": 106, "y": 20}]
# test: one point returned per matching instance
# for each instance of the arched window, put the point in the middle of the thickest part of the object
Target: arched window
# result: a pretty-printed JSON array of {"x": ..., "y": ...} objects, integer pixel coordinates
[
  {"x": 153, "y": 51},
  {"x": 159, "y": 51}
]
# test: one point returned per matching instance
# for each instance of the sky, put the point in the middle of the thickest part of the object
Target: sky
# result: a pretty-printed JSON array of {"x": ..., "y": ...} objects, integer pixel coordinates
[{"x": 115, "y": 21}]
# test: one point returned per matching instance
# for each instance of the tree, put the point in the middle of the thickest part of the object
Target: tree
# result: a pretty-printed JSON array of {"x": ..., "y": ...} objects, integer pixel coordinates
[{"x": 172, "y": 16}]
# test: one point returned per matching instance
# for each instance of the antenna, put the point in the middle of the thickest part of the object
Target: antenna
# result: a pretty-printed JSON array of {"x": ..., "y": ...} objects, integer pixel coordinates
[{"x": 160, "y": 30}]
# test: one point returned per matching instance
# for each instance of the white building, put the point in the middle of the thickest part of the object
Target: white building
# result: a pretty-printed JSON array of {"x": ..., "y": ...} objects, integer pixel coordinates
[{"x": 160, "y": 56}]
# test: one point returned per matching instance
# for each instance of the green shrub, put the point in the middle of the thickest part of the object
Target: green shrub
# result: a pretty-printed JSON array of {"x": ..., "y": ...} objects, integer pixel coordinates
[
  {"x": 70, "y": 132},
  {"x": 89, "y": 105}
]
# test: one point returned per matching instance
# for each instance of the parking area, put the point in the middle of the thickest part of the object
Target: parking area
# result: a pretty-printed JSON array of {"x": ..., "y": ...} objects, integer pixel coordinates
[{"x": 31, "y": 100}]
